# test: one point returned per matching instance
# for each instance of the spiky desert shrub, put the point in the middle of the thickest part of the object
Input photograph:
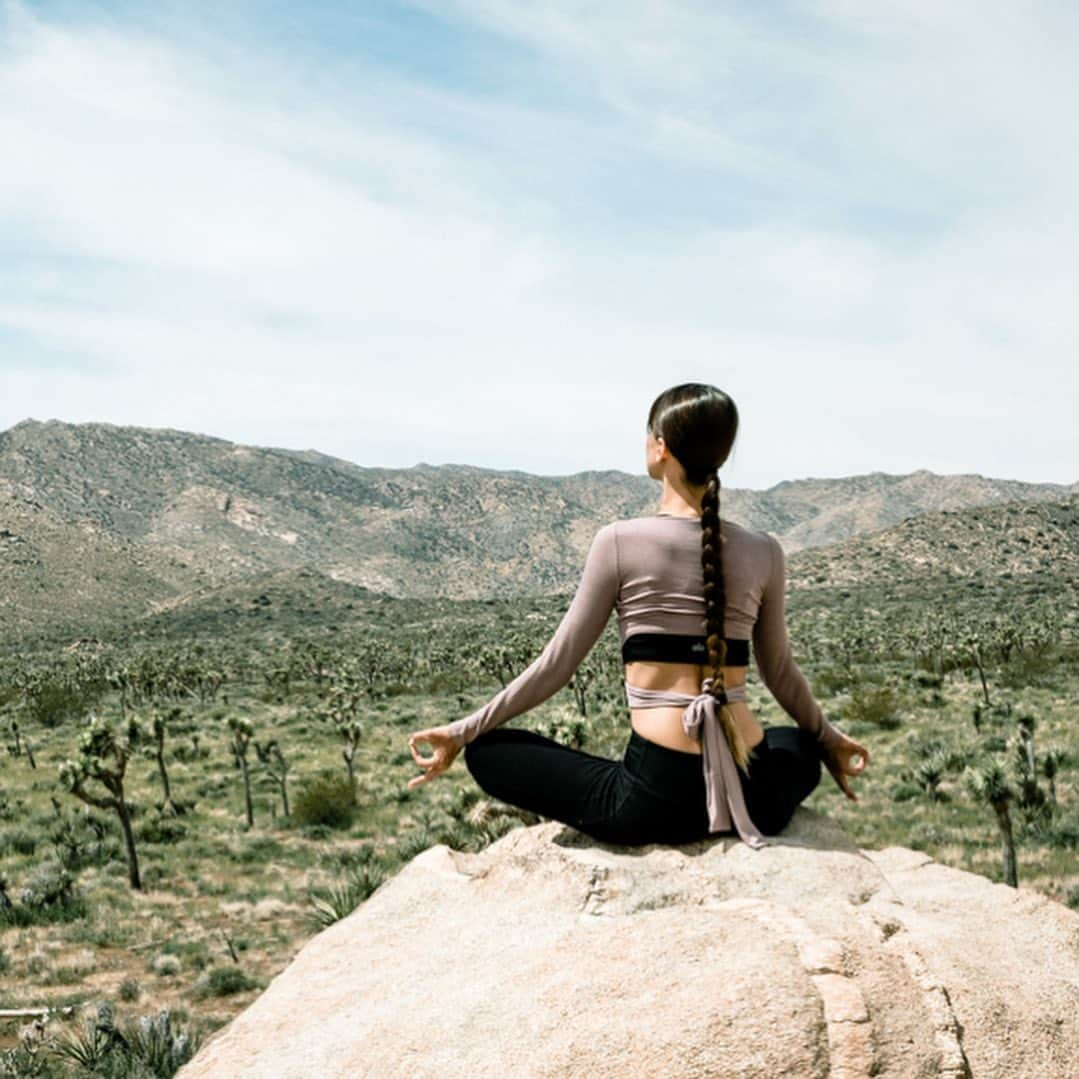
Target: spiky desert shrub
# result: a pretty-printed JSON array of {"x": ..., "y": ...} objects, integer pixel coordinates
[{"x": 331, "y": 904}]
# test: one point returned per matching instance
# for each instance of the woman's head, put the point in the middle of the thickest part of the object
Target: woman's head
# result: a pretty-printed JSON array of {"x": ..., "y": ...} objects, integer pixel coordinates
[{"x": 698, "y": 424}]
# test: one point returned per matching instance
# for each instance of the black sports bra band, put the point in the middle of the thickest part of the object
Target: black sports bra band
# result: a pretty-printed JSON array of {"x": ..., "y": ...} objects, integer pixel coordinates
[{"x": 680, "y": 648}]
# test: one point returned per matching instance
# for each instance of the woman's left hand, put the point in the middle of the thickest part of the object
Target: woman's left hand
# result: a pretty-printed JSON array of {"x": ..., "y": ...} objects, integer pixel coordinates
[
  {"x": 840, "y": 761},
  {"x": 445, "y": 753}
]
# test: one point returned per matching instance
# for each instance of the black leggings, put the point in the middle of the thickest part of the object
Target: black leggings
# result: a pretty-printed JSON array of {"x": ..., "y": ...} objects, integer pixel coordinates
[{"x": 652, "y": 795}]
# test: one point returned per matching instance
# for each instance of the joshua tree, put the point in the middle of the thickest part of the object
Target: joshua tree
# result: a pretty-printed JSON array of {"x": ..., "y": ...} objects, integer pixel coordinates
[
  {"x": 344, "y": 700},
  {"x": 242, "y": 731},
  {"x": 351, "y": 732},
  {"x": 499, "y": 661},
  {"x": 377, "y": 663},
  {"x": 160, "y": 729},
  {"x": 989, "y": 786},
  {"x": 209, "y": 684},
  {"x": 1051, "y": 764},
  {"x": 936, "y": 636},
  {"x": 103, "y": 757},
  {"x": 1021, "y": 745},
  {"x": 21, "y": 744},
  {"x": 579, "y": 683},
  {"x": 1027, "y": 724},
  {"x": 973, "y": 642},
  {"x": 279, "y": 679},
  {"x": 1009, "y": 638},
  {"x": 120, "y": 678},
  {"x": 274, "y": 762}
]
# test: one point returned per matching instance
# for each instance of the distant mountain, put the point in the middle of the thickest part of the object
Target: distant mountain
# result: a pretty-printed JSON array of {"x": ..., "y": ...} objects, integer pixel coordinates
[
  {"x": 53, "y": 572},
  {"x": 1016, "y": 554},
  {"x": 106, "y": 521},
  {"x": 816, "y": 512}
]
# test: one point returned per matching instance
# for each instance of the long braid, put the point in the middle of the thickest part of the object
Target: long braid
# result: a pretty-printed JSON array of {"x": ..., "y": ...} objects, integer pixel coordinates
[{"x": 715, "y": 599}]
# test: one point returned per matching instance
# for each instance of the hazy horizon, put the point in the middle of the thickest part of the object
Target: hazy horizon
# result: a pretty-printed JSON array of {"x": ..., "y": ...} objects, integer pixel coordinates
[{"x": 552, "y": 475}]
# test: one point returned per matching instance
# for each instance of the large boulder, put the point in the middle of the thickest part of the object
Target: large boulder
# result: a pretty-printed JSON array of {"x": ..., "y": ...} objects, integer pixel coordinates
[{"x": 551, "y": 954}]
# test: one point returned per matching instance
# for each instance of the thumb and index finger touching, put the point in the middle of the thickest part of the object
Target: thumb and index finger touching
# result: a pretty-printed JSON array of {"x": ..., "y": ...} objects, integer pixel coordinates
[
  {"x": 413, "y": 744},
  {"x": 851, "y": 760},
  {"x": 430, "y": 765}
]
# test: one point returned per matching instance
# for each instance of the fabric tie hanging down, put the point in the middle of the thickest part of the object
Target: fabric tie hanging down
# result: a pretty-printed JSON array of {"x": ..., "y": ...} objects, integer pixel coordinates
[{"x": 700, "y": 720}]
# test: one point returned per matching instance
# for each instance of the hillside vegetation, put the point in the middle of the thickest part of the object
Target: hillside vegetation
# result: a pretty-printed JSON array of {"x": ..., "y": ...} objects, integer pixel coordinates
[{"x": 252, "y": 723}]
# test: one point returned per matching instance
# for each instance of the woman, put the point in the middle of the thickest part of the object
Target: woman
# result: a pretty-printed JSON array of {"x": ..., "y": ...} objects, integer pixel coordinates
[{"x": 697, "y": 762}]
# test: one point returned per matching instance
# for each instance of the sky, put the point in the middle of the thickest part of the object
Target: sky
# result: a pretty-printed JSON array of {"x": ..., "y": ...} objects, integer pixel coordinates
[{"x": 491, "y": 232}]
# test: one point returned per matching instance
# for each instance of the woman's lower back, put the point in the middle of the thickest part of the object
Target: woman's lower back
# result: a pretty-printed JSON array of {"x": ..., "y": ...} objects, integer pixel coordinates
[{"x": 663, "y": 725}]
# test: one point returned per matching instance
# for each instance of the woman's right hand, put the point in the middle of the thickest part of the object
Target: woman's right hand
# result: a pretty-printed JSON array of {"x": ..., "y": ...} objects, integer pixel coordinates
[
  {"x": 840, "y": 761},
  {"x": 445, "y": 753}
]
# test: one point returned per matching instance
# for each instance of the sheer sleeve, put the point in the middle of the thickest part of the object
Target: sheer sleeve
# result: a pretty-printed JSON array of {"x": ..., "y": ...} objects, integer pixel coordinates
[
  {"x": 578, "y": 631},
  {"x": 771, "y": 646}
]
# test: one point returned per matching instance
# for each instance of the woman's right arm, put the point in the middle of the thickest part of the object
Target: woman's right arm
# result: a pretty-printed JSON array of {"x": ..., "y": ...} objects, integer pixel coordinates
[{"x": 772, "y": 649}]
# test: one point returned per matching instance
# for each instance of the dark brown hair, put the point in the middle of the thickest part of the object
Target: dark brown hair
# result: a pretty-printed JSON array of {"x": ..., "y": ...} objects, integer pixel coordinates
[{"x": 699, "y": 423}]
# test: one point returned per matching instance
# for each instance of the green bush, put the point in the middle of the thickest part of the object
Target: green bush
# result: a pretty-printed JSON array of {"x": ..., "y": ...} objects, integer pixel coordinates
[
  {"x": 83, "y": 838},
  {"x": 317, "y": 831},
  {"x": 48, "y": 884},
  {"x": 567, "y": 730},
  {"x": 830, "y": 680},
  {"x": 224, "y": 981},
  {"x": 327, "y": 800},
  {"x": 1063, "y": 835},
  {"x": 878, "y": 705},
  {"x": 351, "y": 858},
  {"x": 257, "y": 850},
  {"x": 1038, "y": 668},
  {"x": 51, "y": 703},
  {"x": 160, "y": 829},
  {"x": 904, "y": 792},
  {"x": 49, "y": 895},
  {"x": 926, "y": 835},
  {"x": 19, "y": 841}
]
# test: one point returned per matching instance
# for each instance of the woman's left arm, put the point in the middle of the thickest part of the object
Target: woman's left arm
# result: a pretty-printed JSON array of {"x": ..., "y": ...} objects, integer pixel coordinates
[{"x": 552, "y": 669}]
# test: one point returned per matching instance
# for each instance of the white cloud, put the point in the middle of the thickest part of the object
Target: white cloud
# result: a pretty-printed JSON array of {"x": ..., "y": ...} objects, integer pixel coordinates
[{"x": 861, "y": 225}]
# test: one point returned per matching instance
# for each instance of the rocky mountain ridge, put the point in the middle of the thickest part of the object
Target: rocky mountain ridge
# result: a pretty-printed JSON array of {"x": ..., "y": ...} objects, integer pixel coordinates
[{"x": 100, "y": 520}]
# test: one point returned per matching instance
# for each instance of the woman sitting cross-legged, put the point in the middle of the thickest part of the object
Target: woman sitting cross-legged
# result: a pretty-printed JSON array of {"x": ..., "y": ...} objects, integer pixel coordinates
[{"x": 690, "y": 590}]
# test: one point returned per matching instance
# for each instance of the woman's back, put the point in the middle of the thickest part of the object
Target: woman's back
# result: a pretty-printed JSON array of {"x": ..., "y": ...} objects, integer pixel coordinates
[
  {"x": 661, "y": 579},
  {"x": 649, "y": 570}
]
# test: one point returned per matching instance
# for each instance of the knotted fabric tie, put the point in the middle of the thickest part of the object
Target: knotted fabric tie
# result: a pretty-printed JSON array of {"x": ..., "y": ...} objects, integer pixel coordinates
[{"x": 700, "y": 720}]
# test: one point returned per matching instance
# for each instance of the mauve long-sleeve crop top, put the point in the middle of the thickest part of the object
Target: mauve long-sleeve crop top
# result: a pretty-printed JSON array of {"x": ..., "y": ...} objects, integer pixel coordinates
[{"x": 648, "y": 570}]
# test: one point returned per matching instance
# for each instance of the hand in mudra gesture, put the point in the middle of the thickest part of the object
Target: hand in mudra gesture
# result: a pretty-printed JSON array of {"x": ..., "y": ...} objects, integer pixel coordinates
[
  {"x": 445, "y": 753},
  {"x": 846, "y": 758}
]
